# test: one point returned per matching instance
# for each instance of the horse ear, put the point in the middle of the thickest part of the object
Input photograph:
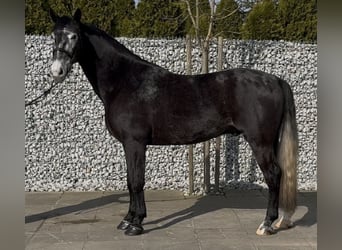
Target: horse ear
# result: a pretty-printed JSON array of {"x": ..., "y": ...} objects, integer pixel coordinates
[
  {"x": 53, "y": 15},
  {"x": 77, "y": 15}
]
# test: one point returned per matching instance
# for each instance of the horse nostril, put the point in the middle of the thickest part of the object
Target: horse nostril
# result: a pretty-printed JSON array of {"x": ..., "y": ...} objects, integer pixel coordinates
[{"x": 57, "y": 69}]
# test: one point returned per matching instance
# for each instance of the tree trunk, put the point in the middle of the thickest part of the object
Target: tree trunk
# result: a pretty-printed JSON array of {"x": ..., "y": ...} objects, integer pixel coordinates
[
  {"x": 191, "y": 147},
  {"x": 206, "y": 144},
  {"x": 205, "y": 57}
]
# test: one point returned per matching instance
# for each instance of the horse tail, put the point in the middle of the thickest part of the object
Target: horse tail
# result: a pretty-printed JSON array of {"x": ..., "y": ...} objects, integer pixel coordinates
[{"x": 287, "y": 152}]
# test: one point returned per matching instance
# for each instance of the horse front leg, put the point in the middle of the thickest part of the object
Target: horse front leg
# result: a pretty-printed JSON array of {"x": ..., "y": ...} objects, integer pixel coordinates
[{"x": 135, "y": 159}]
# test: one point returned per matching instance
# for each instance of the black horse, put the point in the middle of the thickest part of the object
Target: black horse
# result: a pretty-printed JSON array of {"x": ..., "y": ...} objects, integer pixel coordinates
[{"x": 148, "y": 105}]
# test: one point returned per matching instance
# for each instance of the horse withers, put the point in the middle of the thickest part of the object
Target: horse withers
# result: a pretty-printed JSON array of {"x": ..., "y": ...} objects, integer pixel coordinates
[{"x": 148, "y": 105}]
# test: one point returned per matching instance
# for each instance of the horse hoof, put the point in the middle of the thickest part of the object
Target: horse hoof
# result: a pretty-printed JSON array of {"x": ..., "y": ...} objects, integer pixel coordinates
[
  {"x": 134, "y": 230},
  {"x": 284, "y": 224},
  {"x": 124, "y": 224},
  {"x": 264, "y": 230}
]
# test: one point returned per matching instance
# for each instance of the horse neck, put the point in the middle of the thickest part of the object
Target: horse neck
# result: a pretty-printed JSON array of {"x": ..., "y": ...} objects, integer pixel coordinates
[{"x": 103, "y": 64}]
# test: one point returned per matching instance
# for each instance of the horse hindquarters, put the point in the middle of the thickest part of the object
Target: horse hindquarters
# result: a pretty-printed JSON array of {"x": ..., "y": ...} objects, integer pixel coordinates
[
  {"x": 282, "y": 191},
  {"x": 276, "y": 158}
]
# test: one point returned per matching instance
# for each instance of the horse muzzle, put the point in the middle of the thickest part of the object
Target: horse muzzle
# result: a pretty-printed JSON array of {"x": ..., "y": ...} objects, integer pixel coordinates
[{"x": 59, "y": 71}]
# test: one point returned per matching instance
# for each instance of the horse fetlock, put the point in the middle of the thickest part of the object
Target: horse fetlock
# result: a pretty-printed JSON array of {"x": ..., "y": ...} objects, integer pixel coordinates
[{"x": 138, "y": 220}]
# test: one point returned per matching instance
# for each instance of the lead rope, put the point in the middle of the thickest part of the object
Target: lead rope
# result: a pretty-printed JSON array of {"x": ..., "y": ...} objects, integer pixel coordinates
[{"x": 45, "y": 93}]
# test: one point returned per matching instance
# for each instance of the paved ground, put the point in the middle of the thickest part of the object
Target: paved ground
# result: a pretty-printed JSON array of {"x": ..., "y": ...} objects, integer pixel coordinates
[{"x": 88, "y": 221}]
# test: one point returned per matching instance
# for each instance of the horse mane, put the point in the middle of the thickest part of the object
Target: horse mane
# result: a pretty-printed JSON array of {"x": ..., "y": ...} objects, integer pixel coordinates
[{"x": 92, "y": 29}]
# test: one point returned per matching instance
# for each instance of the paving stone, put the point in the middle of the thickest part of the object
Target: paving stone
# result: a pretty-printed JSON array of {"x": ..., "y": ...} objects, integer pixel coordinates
[{"x": 110, "y": 245}]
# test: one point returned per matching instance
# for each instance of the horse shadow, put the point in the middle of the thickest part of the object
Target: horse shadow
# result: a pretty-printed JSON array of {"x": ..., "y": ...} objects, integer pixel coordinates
[
  {"x": 203, "y": 205},
  {"x": 86, "y": 205},
  {"x": 211, "y": 203}
]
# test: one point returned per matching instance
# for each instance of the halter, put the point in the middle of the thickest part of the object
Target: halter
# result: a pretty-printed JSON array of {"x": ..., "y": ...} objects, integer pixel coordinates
[{"x": 70, "y": 55}]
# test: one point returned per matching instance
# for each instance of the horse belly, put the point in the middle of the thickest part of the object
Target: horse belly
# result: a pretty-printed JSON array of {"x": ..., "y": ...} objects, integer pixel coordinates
[{"x": 191, "y": 129}]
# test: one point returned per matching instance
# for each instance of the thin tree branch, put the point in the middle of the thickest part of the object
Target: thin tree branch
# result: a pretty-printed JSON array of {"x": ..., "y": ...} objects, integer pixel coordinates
[
  {"x": 230, "y": 14},
  {"x": 227, "y": 31},
  {"x": 211, "y": 21},
  {"x": 190, "y": 13},
  {"x": 195, "y": 22}
]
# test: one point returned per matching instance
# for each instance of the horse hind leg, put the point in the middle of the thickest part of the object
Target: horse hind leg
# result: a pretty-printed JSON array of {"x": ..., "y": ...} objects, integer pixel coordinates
[{"x": 272, "y": 173}]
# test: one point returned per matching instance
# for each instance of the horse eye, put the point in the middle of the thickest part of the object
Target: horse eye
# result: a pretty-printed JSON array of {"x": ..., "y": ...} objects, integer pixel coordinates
[{"x": 73, "y": 37}]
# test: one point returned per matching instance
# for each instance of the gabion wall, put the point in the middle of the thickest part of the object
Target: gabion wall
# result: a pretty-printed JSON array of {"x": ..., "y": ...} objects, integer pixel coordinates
[{"x": 68, "y": 147}]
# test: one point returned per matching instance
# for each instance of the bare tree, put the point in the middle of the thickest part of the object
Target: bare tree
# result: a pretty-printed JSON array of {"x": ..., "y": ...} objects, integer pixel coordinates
[{"x": 203, "y": 42}]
